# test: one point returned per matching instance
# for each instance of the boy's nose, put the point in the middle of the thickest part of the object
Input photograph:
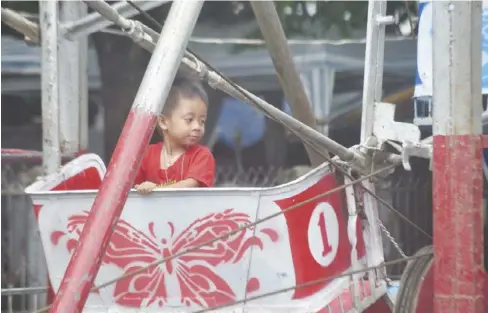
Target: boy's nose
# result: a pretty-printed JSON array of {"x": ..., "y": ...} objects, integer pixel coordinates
[{"x": 197, "y": 126}]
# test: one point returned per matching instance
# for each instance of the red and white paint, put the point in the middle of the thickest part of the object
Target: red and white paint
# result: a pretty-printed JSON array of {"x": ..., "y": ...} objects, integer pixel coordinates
[
  {"x": 458, "y": 224},
  {"x": 109, "y": 203},
  {"x": 323, "y": 232},
  {"x": 457, "y": 158},
  {"x": 189, "y": 279},
  {"x": 275, "y": 254}
]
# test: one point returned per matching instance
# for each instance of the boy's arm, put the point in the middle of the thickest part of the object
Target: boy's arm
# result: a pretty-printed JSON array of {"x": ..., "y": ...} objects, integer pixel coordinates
[{"x": 185, "y": 183}]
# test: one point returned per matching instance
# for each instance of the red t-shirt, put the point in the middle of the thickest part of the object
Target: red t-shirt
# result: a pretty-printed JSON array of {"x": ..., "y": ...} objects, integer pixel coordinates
[{"x": 197, "y": 162}]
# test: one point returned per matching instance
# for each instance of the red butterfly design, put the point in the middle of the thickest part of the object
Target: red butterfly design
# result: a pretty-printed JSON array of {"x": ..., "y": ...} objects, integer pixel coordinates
[{"x": 130, "y": 249}]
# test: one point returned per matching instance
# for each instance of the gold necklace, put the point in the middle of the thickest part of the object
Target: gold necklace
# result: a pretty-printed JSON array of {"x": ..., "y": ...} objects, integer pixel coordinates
[{"x": 168, "y": 163}]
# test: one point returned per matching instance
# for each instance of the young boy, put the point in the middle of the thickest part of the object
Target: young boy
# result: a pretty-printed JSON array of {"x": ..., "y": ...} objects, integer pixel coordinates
[{"x": 179, "y": 161}]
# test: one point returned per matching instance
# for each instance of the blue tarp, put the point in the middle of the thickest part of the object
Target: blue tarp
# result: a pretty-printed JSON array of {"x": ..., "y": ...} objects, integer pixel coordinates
[
  {"x": 237, "y": 118},
  {"x": 423, "y": 78},
  {"x": 240, "y": 119}
]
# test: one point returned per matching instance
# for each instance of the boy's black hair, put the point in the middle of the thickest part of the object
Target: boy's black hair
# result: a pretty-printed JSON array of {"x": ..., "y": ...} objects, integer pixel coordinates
[{"x": 184, "y": 87}]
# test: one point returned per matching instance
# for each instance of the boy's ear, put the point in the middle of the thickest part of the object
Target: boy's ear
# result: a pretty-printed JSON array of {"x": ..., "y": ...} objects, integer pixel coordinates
[{"x": 162, "y": 122}]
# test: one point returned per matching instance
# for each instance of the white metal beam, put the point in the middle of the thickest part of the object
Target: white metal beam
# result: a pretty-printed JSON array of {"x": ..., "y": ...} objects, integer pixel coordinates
[
  {"x": 83, "y": 86},
  {"x": 373, "y": 67},
  {"x": 49, "y": 81},
  {"x": 69, "y": 70}
]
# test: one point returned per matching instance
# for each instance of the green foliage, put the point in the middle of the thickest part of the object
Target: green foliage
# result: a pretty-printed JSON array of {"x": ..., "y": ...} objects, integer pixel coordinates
[
  {"x": 313, "y": 19},
  {"x": 310, "y": 19},
  {"x": 25, "y": 6},
  {"x": 306, "y": 19}
]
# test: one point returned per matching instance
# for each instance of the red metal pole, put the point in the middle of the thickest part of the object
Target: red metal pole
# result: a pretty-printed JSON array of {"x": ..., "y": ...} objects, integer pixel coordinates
[
  {"x": 457, "y": 171},
  {"x": 108, "y": 205}
]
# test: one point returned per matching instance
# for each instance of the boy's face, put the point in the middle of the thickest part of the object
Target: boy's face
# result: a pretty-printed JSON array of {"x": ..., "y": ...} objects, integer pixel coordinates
[{"x": 186, "y": 124}]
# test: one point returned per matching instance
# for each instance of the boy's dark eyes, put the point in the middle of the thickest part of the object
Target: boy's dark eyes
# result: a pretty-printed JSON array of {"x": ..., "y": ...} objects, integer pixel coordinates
[{"x": 191, "y": 119}]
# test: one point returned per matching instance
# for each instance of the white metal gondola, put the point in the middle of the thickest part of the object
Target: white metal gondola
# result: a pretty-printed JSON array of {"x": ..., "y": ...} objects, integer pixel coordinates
[{"x": 311, "y": 245}]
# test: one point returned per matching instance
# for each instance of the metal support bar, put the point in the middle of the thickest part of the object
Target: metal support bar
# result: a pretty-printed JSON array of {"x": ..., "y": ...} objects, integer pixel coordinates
[
  {"x": 94, "y": 22},
  {"x": 49, "y": 81},
  {"x": 83, "y": 85},
  {"x": 372, "y": 92},
  {"x": 140, "y": 33},
  {"x": 109, "y": 13},
  {"x": 373, "y": 67},
  {"x": 13, "y": 19},
  {"x": 123, "y": 167},
  {"x": 289, "y": 78},
  {"x": 457, "y": 158},
  {"x": 69, "y": 71}
]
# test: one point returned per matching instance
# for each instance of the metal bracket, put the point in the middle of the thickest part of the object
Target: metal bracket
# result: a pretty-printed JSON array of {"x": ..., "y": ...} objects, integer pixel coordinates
[
  {"x": 137, "y": 34},
  {"x": 409, "y": 149},
  {"x": 385, "y": 20},
  {"x": 415, "y": 149},
  {"x": 386, "y": 128}
]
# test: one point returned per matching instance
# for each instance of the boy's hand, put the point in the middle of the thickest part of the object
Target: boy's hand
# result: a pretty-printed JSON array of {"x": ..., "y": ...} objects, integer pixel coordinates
[{"x": 146, "y": 187}]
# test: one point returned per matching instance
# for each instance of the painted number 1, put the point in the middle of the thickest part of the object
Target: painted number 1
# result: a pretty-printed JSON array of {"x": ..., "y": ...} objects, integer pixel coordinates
[{"x": 323, "y": 231}]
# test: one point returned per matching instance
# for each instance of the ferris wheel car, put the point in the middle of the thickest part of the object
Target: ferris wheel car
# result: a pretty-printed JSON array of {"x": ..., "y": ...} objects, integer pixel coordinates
[{"x": 312, "y": 237}]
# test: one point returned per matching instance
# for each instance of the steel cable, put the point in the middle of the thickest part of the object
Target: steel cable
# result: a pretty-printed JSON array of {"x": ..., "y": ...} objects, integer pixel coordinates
[{"x": 317, "y": 281}]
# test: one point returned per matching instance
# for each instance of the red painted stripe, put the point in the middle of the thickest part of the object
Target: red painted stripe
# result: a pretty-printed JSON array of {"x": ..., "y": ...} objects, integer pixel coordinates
[
  {"x": 458, "y": 224},
  {"x": 108, "y": 205}
]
